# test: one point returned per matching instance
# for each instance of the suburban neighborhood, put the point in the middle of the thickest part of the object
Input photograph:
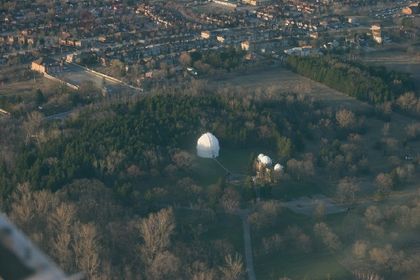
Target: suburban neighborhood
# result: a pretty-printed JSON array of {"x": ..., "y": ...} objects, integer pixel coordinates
[{"x": 148, "y": 39}]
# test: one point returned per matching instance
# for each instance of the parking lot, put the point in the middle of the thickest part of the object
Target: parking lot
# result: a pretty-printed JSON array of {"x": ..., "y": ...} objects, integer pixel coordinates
[{"x": 77, "y": 75}]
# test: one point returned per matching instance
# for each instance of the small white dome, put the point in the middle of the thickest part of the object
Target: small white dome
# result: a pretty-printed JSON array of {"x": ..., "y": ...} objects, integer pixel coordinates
[
  {"x": 260, "y": 156},
  {"x": 208, "y": 146},
  {"x": 278, "y": 167},
  {"x": 266, "y": 160}
]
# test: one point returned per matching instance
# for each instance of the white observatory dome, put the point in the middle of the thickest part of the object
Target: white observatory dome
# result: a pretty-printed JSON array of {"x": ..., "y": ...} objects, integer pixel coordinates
[
  {"x": 278, "y": 167},
  {"x": 208, "y": 146},
  {"x": 266, "y": 160}
]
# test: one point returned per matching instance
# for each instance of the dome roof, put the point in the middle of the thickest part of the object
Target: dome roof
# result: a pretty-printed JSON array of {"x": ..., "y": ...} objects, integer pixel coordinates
[
  {"x": 260, "y": 156},
  {"x": 208, "y": 146},
  {"x": 266, "y": 160},
  {"x": 278, "y": 167}
]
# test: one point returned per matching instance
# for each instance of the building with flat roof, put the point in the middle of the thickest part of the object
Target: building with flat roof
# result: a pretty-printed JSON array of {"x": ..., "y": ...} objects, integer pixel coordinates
[
  {"x": 45, "y": 65},
  {"x": 256, "y": 2}
]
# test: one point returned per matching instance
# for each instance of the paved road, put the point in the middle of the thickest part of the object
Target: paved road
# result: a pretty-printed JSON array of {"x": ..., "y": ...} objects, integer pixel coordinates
[{"x": 243, "y": 213}]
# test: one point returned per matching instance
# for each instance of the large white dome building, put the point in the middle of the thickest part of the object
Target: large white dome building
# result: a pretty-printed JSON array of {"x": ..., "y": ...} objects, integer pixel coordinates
[{"x": 208, "y": 146}]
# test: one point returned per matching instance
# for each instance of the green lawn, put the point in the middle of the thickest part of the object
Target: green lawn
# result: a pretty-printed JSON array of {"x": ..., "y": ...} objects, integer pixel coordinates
[
  {"x": 287, "y": 190},
  {"x": 207, "y": 171},
  {"x": 300, "y": 266}
]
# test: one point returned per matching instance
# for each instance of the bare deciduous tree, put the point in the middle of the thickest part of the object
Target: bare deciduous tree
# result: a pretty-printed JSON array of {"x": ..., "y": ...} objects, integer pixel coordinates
[
  {"x": 329, "y": 238},
  {"x": 156, "y": 231},
  {"x": 87, "y": 249},
  {"x": 60, "y": 224},
  {"x": 32, "y": 125},
  {"x": 266, "y": 213},
  {"x": 301, "y": 168},
  {"x": 233, "y": 269},
  {"x": 182, "y": 159},
  {"x": 345, "y": 118},
  {"x": 367, "y": 275},
  {"x": 347, "y": 189},
  {"x": 360, "y": 248},
  {"x": 384, "y": 182},
  {"x": 230, "y": 200},
  {"x": 164, "y": 266},
  {"x": 319, "y": 210},
  {"x": 373, "y": 215}
]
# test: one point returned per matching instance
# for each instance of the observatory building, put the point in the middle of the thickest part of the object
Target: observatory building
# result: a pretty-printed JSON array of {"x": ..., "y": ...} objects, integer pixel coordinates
[{"x": 208, "y": 146}]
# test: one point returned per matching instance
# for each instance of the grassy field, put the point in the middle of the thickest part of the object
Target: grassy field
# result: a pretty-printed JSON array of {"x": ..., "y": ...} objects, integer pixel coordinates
[
  {"x": 28, "y": 87},
  {"x": 289, "y": 190},
  {"x": 18, "y": 95},
  {"x": 301, "y": 266},
  {"x": 397, "y": 60},
  {"x": 207, "y": 171},
  {"x": 279, "y": 80}
]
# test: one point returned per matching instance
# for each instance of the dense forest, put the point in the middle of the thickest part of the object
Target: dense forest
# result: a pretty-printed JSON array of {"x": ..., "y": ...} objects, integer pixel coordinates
[
  {"x": 373, "y": 84},
  {"x": 149, "y": 135}
]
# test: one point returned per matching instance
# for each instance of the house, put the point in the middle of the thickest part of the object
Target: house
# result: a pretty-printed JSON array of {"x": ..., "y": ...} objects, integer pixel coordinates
[
  {"x": 256, "y": 2},
  {"x": 245, "y": 45},
  {"x": 299, "y": 51},
  {"x": 46, "y": 65},
  {"x": 102, "y": 39},
  {"x": 70, "y": 58},
  {"x": 314, "y": 35},
  {"x": 376, "y": 33},
  {"x": 205, "y": 34},
  {"x": 31, "y": 41},
  {"x": 4, "y": 113},
  {"x": 220, "y": 38},
  {"x": 412, "y": 9}
]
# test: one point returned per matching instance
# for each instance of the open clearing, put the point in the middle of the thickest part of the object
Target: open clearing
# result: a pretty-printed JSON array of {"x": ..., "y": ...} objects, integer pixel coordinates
[
  {"x": 280, "y": 80},
  {"x": 24, "y": 88},
  {"x": 399, "y": 61}
]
